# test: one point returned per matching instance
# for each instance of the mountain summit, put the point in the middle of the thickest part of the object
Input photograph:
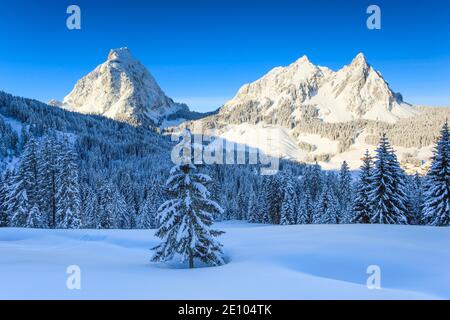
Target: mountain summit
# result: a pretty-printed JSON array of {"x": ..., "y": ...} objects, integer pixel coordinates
[
  {"x": 357, "y": 91},
  {"x": 122, "y": 89}
]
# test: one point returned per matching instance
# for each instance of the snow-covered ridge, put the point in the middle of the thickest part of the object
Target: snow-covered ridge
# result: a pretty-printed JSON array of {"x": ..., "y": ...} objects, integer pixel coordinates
[
  {"x": 122, "y": 89},
  {"x": 357, "y": 91}
]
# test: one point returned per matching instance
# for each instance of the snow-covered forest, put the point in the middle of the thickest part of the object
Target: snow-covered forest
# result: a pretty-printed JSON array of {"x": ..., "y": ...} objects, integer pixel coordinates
[{"x": 66, "y": 170}]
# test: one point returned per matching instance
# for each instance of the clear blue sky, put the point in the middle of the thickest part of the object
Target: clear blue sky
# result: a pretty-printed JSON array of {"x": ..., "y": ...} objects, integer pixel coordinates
[{"x": 201, "y": 52}]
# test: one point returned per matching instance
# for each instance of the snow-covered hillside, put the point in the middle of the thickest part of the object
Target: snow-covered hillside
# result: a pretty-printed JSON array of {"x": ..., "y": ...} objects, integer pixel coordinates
[
  {"x": 121, "y": 89},
  {"x": 265, "y": 262}
]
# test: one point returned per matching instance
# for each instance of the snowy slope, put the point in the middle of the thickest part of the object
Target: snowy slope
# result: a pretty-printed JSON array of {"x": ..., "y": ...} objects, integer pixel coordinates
[
  {"x": 357, "y": 91},
  {"x": 121, "y": 89},
  {"x": 280, "y": 142},
  {"x": 271, "y": 140},
  {"x": 266, "y": 262}
]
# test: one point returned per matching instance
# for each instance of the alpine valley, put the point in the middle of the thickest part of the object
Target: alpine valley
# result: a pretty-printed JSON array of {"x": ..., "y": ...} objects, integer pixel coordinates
[{"x": 101, "y": 159}]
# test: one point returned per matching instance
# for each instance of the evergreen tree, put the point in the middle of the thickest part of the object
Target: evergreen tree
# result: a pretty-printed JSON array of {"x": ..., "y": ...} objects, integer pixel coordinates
[
  {"x": 305, "y": 210},
  {"x": 89, "y": 208},
  {"x": 387, "y": 188},
  {"x": 436, "y": 209},
  {"x": 68, "y": 202},
  {"x": 289, "y": 202},
  {"x": 362, "y": 206},
  {"x": 127, "y": 189},
  {"x": 35, "y": 218},
  {"x": 47, "y": 173},
  {"x": 107, "y": 207},
  {"x": 5, "y": 182},
  {"x": 29, "y": 168},
  {"x": 273, "y": 199},
  {"x": 19, "y": 206},
  {"x": 253, "y": 209},
  {"x": 185, "y": 220},
  {"x": 147, "y": 218},
  {"x": 25, "y": 183},
  {"x": 415, "y": 200},
  {"x": 345, "y": 193},
  {"x": 327, "y": 211}
]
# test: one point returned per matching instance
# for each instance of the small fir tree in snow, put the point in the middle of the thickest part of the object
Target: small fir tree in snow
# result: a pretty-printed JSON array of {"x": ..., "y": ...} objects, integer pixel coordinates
[
  {"x": 361, "y": 206},
  {"x": 35, "y": 218},
  {"x": 436, "y": 209},
  {"x": 186, "y": 220},
  {"x": 387, "y": 193},
  {"x": 327, "y": 211}
]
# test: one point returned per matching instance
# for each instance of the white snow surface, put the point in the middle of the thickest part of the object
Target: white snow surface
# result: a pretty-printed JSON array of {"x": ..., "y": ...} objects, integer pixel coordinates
[{"x": 264, "y": 262}]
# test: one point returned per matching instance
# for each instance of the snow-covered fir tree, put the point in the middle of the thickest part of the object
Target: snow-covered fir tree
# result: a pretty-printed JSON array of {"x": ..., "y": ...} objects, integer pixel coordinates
[
  {"x": 18, "y": 205},
  {"x": 186, "y": 219},
  {"x": 289, "y": 202},
  {"x": 327, "y": 211},
  {"x": 5, "y": 183},
  {"x": 436, "y": 209},
  {"x": 305, "y": 210},
  {"x": 23, "y": 191},
  {"x": 35, "y": 218},
  {"x": 387, "y": 194},
  {"x": 89, "y": 207},
  {"x": 147, "y": 218},
  {"x": 47, "y": 173},
  {"x": 68, "y": 202},
  {"x": 107, "y": 206},
  {"x": 345, "y": 193},
  {"x": 253, "y": 209},
  {"x": 147, "y": 215},
  {"x": 361, "y": 205},
  {"x": 313, "y": 181},
  {"x": 273, "y": 195},
  {"x": 415, "y": 199}
]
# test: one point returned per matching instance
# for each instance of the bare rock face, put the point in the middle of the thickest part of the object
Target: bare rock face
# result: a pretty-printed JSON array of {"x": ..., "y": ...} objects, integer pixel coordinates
[
  {"x": 357, "y": 91},
  {"x": 122, "y": 89}
]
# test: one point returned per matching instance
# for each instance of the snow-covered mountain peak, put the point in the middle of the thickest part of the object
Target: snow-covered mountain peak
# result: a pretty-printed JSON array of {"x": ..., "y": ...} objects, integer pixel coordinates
[
  {"x": 304, "y": 60},
  {"x": 359, "y": 60},
  {"x": 122, "y": 89},
  {"x": 357, "y": 91},
  {"x": 120, "y": 54}
]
